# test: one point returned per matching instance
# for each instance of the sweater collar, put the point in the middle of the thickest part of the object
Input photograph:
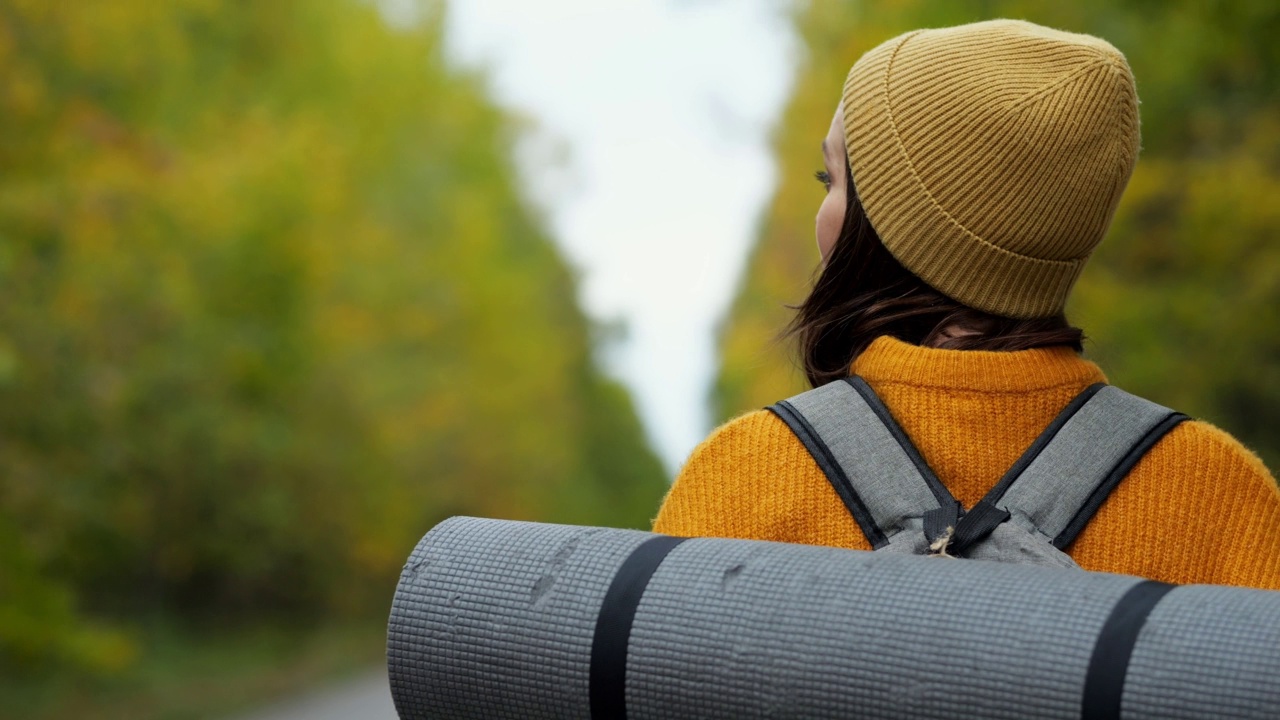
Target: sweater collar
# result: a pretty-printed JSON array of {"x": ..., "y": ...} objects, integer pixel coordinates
[{"x": 888, "y": 359}]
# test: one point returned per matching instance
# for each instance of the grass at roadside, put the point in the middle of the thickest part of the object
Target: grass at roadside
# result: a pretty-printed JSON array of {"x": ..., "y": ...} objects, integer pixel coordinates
[{"x": 190, "y": 674}]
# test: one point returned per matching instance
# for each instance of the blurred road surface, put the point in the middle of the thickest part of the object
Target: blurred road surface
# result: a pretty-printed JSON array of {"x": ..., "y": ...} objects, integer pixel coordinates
[{"x": 365, "y": 697}]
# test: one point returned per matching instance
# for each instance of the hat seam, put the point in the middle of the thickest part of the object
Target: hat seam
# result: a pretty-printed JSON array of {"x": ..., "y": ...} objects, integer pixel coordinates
[
  {"x": 1017, "y": 105},
  {"x": 893, "y": 125}
]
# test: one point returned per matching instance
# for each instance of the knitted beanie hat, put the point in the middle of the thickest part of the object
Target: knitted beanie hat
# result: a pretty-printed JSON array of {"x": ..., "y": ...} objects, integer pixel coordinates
[{"x": 990, "y": 157}]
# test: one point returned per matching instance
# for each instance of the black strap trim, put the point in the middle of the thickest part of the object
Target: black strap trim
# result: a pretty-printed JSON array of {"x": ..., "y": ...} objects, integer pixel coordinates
[
  {"x": 827, "y": 463},
  {"x": 1104, "y": 680},
  {"x": 608, "y": 673},
  {"x": 1118, "y": 473},
  {"x": 976, "y": 525},
  {"x": 940, "y": 492},
  {"x": 1040, "y": 443},
  {"x": 940, "y": 520}
]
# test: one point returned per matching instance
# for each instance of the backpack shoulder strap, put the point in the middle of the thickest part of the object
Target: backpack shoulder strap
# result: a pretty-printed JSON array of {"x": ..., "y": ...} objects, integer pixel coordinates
[
  {"x": 1062, "y": 480},
  {"x": 866, "y": 456}
]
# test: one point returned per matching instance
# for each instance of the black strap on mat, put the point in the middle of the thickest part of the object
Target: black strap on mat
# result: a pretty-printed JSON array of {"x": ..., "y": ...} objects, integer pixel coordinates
[
  {"x": 607, "y": 689},
  {"x": 1104, "y": 679}
]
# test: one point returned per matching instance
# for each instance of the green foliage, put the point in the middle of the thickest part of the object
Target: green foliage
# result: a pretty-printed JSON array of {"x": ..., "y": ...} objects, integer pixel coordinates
[
  {"x": 39, "y": 625},
  {"x": 270, "y": 306},
  {"x": 1182, "y": 301}
]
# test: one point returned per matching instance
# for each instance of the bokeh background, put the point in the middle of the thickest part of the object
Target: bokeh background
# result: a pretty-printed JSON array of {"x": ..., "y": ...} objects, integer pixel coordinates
[{"x": 284, "y": 283}]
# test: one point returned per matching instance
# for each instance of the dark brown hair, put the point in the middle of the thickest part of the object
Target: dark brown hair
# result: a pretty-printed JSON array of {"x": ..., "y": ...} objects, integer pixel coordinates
[{"x": 863, "y": 292}]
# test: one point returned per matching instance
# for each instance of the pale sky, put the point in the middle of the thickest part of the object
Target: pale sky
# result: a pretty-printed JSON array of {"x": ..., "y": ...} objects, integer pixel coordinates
[{"x": 650, "y": 159}]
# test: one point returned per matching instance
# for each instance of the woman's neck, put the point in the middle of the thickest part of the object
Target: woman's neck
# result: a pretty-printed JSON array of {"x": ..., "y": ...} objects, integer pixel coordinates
[{"x": 949, "y": 333}]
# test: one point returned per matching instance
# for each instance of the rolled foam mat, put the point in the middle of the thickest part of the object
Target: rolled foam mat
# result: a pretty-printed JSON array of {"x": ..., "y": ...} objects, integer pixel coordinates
[{"x": 500, "y": 619}]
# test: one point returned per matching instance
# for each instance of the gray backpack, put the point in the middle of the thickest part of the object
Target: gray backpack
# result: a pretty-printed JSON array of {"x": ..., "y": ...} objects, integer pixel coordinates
[{"x": 1030, "y": 516}]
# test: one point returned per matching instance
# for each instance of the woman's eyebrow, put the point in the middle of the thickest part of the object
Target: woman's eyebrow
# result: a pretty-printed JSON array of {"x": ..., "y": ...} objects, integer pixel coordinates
[{"x": 826, "y": 154}]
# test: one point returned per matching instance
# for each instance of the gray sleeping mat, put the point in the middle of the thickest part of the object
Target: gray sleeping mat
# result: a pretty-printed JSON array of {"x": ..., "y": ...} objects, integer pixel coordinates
[{"x": 499, "y": 619}]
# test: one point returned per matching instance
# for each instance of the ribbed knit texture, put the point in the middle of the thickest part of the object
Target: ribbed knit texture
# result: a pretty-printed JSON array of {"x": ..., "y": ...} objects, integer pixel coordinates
[
  {"x": 1199, "y": 508},
  {"x": 990, "y": 157}
]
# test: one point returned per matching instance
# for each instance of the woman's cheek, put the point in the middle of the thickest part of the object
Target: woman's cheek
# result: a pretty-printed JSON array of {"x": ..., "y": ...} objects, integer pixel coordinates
[{"x": 830, "y": 218}]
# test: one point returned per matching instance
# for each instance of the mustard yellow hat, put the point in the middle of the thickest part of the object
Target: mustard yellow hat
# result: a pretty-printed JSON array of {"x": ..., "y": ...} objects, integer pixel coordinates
[{"x": 990, "y": 157}]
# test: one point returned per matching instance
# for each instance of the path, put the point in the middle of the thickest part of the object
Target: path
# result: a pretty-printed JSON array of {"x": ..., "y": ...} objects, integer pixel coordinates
[{"x": 366, "y": 697}]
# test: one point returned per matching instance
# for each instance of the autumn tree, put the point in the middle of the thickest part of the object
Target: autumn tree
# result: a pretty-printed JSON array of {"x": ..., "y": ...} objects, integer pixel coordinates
[{"x": 271, "y": 304}]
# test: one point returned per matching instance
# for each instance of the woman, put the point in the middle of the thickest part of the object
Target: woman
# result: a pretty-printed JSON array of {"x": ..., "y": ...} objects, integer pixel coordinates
[{"x": 981, "y": 166}]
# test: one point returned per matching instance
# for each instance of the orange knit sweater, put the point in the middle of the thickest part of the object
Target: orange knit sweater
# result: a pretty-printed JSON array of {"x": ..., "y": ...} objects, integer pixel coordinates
[{"x": 1198, "y": 508}]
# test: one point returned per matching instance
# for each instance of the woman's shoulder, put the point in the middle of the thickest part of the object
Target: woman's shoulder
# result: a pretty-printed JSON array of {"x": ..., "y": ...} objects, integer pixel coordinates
[
  {"x": 1199, "y": 465},
  {"x": 744, "y": 450},
  {"x": 1197, "y": 445},
  {"x": 746, "y": 477},
  {"x": 1200, "y": 507},
  {"x": 752, "y": 433}
]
